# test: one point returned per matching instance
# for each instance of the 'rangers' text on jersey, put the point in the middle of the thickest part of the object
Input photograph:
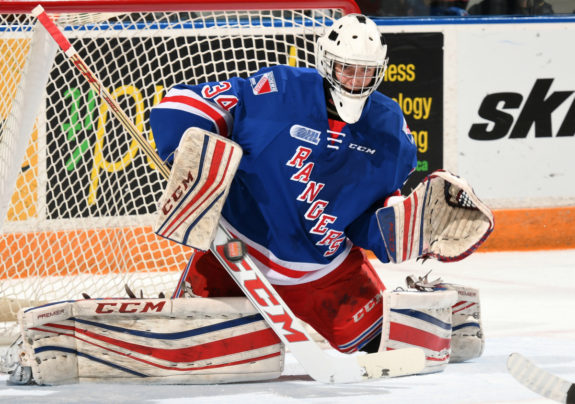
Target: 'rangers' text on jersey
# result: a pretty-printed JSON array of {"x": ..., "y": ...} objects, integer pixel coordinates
[{"x": 308, "y": 186}]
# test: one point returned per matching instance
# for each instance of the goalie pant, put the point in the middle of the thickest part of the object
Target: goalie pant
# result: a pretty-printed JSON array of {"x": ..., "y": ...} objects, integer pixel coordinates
[{"x": 345, "y": 307}]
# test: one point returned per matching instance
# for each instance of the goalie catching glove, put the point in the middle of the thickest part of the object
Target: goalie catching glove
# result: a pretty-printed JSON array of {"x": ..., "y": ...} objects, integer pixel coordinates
[{"x": 442, "y": 218}]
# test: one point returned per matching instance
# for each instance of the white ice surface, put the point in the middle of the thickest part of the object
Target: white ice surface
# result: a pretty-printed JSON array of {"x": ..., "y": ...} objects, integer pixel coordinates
[{"x": 527, "y": 302}]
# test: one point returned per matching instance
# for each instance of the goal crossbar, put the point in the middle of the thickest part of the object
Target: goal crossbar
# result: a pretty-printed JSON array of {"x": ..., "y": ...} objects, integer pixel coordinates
[{"x": 80, "y": 6}]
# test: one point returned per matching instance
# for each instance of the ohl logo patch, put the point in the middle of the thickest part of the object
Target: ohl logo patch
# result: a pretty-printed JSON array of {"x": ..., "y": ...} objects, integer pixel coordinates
[{"x": 264, "y": 83}]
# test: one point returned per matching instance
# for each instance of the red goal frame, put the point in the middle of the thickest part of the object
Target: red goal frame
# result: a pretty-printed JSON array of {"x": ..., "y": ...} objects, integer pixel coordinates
[{"x": 347, "y": 6}]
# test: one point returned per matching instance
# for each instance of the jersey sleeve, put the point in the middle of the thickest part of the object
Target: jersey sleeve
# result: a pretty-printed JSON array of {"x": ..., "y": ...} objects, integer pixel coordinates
[
  {"x": 209, "y": 106},
  {"x": 364, "y": 231}
]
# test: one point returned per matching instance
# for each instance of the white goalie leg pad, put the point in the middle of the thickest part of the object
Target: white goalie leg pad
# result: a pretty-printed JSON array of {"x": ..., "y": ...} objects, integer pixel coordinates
[
  {"x": 419, "y": 319},
  {"x": 152, "y": 341},
  {"x": 191, "y": 205},
  {"x": 442, "y": 219},
  {"x": 467, "y": 338}
]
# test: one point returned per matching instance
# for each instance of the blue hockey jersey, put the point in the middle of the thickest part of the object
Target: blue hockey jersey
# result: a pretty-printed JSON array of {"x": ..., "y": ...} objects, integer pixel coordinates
[{"x": 307, "y": 187}]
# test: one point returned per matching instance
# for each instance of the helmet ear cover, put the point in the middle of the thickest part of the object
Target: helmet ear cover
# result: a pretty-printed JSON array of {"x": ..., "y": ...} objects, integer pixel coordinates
[{"x": 354, "y": 41}]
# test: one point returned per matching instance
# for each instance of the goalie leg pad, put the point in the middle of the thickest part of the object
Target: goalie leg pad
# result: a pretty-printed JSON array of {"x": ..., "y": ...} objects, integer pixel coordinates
[
  {"x": 467, "y": 339},
  {"x": 152, "y": 341},
  {"x": 419, "y": 319}
]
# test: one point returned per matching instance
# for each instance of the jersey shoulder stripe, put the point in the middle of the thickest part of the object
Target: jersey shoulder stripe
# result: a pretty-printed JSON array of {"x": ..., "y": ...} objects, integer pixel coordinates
[{"x": 188, "y": 101}]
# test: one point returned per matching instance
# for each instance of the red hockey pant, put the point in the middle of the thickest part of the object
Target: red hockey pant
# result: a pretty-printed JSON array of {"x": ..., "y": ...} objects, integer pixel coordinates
[{"x": 343, "y": 306}]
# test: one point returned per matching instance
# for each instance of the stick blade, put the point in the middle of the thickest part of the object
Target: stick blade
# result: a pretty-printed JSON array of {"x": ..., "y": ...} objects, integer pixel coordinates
[
  {"x": 540, "y": 381},
  {"x": 400, "y": 362}
]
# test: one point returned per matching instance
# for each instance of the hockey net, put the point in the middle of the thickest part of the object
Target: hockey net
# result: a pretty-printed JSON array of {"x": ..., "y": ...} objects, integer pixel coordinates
[{"x": 77, "y": 196}]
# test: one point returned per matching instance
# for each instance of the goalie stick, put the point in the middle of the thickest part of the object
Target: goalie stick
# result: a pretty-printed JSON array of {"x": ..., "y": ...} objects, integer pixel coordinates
[
  {"x": 318, "y": 364},
  {"x": 540, "y": 381}
]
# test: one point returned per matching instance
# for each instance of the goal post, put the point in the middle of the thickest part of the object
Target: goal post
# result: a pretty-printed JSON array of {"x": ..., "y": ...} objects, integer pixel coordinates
[{"x": 78, "y": 196}]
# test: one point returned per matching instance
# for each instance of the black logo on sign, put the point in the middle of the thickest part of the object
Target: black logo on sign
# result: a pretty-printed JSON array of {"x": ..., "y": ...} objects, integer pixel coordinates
[{"x": 536, "y": 111}]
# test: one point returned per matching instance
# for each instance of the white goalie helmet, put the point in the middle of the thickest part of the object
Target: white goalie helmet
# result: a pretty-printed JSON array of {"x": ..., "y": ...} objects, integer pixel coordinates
[{"x": 352, "y": 57}]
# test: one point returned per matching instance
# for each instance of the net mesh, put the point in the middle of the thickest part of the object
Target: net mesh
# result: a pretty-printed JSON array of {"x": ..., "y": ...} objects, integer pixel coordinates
[
  {"x": 76, "y": 210},
  {"x": 457, "y": 197}
]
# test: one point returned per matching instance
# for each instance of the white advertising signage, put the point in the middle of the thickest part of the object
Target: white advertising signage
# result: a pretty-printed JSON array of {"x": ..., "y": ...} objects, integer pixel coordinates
[{"x": 515, "y": 112}]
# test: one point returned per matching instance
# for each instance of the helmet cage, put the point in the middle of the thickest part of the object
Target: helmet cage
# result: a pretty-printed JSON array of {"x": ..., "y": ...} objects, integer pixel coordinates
[
  {"x": 361, "y": 77},
  {"x": 355, "y": 47}
]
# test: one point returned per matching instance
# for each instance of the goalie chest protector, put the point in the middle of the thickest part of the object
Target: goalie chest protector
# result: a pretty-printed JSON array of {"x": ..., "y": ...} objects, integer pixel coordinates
[{"x": 305, "y": 182}]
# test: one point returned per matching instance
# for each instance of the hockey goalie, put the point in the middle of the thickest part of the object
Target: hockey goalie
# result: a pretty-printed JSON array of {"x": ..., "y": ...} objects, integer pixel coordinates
[
  {"x": 307, "y": 198},
  {"x": 302, "y": 167}
]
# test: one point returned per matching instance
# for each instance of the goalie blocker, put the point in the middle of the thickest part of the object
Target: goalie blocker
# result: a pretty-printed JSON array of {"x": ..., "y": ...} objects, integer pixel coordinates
[{"x": 203, "y": 169}]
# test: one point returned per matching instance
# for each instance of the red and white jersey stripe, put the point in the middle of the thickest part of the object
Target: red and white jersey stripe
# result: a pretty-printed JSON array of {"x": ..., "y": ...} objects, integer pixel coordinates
[
  {"x": 281, "y": 272},
  {"x": 188, "y": 101}
]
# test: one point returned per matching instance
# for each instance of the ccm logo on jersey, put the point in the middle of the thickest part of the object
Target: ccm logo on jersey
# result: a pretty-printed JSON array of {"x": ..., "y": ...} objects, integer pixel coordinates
[
  {"x": 362, "y": 149},
  {"x": 264, "y": 83}
]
